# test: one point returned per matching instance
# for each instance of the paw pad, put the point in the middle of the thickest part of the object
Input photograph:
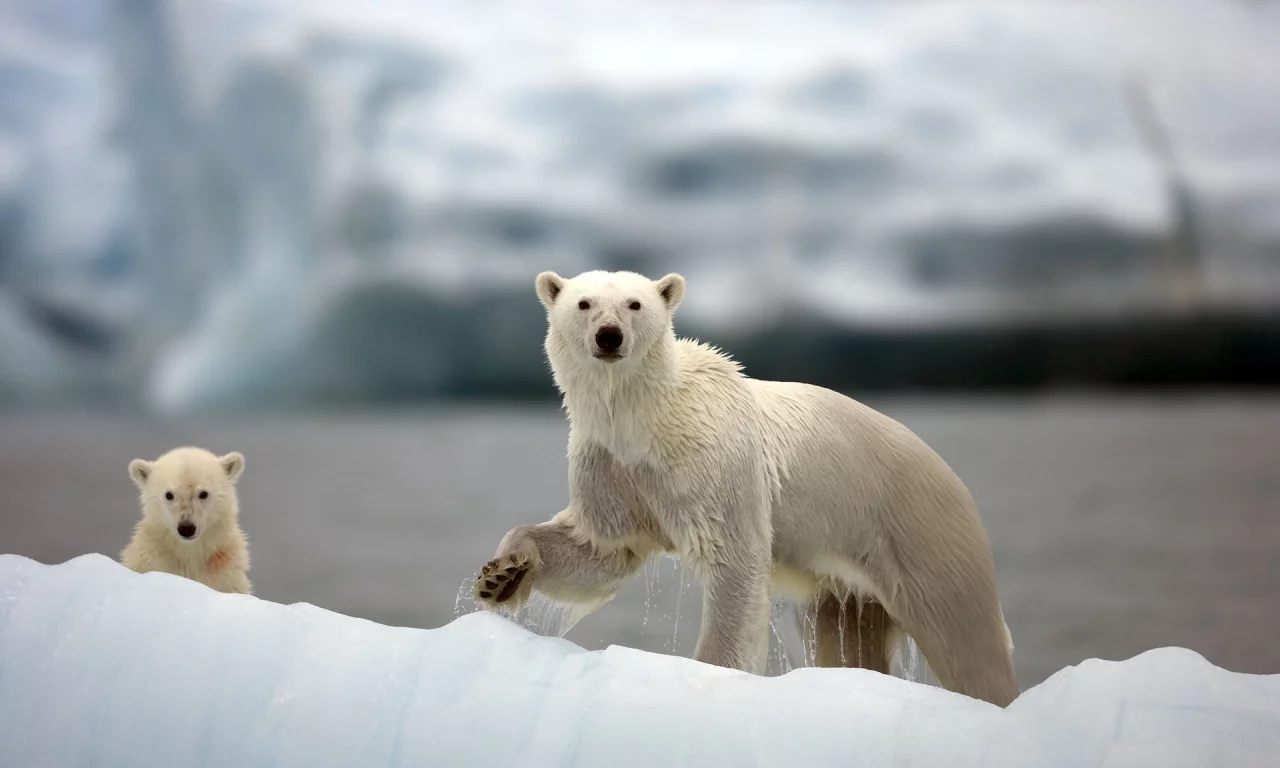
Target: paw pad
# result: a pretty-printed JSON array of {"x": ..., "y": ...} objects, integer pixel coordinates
[{"x": 500, "y": 578}]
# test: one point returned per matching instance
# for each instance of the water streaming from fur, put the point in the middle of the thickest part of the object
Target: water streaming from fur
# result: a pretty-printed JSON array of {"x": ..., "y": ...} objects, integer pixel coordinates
[
  {"x": 464, "y": 603},
  {"x": 675, "y": 629},
  {"x": 650, "y": 578},
  {"x": 911, "y": 665},
  {"x": 793, "y": 628},
  {"x": 549, "y": 618},
  {"x": 789, "y": 644},
  {"x": 858, "y": 606},
  {"x": 540, "y": 614},
  {"x": 776, "y": 661}
]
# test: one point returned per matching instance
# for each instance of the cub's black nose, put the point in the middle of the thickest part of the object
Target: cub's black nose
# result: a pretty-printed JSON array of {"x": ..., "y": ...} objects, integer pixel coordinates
[
  {"x": 609, "y": 338},
  {"x": 186, "y": 529}
]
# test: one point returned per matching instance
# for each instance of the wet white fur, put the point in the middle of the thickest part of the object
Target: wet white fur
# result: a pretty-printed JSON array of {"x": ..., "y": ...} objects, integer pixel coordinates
[
  {"x": 156, "y": 545},
  {"x": 761, "y": 486}
]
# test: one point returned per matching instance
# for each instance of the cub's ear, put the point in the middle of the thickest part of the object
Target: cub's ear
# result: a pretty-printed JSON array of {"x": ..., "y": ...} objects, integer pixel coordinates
[
  {"x": 139, "y": 471},
  {"x": 671, "y": 289},
  {"x": 233, "y": 464},
  {"x": 548, "y": 285}
]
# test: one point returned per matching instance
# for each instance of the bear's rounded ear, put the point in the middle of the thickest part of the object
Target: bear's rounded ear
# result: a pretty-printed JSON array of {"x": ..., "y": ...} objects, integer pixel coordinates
[
  {"x": 233, "y": 464},
  {"x": 548, "y": 285},
  {"x": 671, "y": 289},
  {"x": 139, "y": 471}
]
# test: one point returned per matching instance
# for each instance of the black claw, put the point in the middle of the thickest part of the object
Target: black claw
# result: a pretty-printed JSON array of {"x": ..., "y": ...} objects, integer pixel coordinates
[
  {"x": 490, "y": 584},
  {"x": 486, "y": 595}
]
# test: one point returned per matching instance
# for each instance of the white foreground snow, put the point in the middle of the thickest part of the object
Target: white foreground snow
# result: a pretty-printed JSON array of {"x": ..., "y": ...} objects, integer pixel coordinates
[{"x": 100, "y": 666}]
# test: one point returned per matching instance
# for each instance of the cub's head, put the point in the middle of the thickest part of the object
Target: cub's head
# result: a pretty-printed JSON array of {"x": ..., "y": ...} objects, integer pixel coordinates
[
  {"x": 602, "y": 318},
  {"x": 188, "y": 490}
]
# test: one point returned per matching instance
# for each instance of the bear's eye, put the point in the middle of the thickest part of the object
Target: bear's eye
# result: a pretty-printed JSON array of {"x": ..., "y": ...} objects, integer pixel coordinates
[
  {"x": 168, "y": 495},
  {"x": 584, "y": 304},
  {"x": 204, "y": 494},
  {"x": 635, "y": 306}
]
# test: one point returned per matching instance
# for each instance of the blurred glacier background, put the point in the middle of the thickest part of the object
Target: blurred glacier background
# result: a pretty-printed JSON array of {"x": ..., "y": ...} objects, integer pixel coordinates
[
  {"x": 267, "y": 224},
  {"x": 224, "y": 204}
]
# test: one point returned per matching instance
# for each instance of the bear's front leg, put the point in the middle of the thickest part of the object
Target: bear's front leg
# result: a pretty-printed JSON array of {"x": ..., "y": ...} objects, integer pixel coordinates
[
  {"x": 735, "y": 613},
  {"x": 557, "y": 560}
]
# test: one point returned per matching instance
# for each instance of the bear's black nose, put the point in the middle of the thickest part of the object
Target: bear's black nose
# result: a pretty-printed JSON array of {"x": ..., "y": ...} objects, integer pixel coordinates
[
  {"x": 186, "y": 529},
  {"x": 609, "y": 338}
]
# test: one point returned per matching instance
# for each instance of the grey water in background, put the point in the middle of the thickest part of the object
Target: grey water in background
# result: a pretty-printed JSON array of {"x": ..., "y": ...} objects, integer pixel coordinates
[{"x": 1119, "y": 524}]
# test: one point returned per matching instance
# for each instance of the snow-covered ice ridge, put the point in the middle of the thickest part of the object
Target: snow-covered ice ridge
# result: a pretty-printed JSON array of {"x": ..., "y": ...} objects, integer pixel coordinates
[
  {"x": 101, "y": 666},
  {"x": 292, "y": 191}
]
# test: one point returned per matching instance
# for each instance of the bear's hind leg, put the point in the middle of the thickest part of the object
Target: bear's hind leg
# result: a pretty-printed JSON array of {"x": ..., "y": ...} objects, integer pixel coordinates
[
  {"x": 963, "y": 637},
  {"x": 852, "y": 632}
]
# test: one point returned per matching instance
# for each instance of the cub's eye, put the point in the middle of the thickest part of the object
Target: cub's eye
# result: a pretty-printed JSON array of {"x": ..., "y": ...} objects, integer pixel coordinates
[
  {"x": 635, "y": 305},
  {"x": 168, "y": 495},
  {"x": 584, "y": 304},
  {"x": 204, "y": 494}
]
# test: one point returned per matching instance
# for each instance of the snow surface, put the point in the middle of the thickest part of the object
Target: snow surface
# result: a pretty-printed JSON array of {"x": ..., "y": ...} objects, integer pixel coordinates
[
  {"x": 101, "y": 666},
  {"x": 275, "y": 200}
]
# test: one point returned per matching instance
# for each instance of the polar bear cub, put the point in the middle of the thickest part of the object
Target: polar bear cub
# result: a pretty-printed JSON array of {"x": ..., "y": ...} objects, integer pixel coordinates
[
  {"x": 190, "y": 519},
  {"x": 762, "y": 487}
]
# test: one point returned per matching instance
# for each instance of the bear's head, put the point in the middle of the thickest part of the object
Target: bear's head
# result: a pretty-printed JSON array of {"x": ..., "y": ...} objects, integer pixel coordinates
[
  {"x": 188, "y": 490},
  {"x": 604, "y": 318}
]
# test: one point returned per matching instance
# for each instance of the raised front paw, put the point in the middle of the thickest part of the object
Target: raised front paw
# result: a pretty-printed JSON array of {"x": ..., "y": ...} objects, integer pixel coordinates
[{"x": 501, "y": 579}]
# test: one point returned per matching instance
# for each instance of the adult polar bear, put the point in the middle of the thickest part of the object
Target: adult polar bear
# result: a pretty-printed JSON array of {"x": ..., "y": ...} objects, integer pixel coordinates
[{"x": 759, "y": 485}]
